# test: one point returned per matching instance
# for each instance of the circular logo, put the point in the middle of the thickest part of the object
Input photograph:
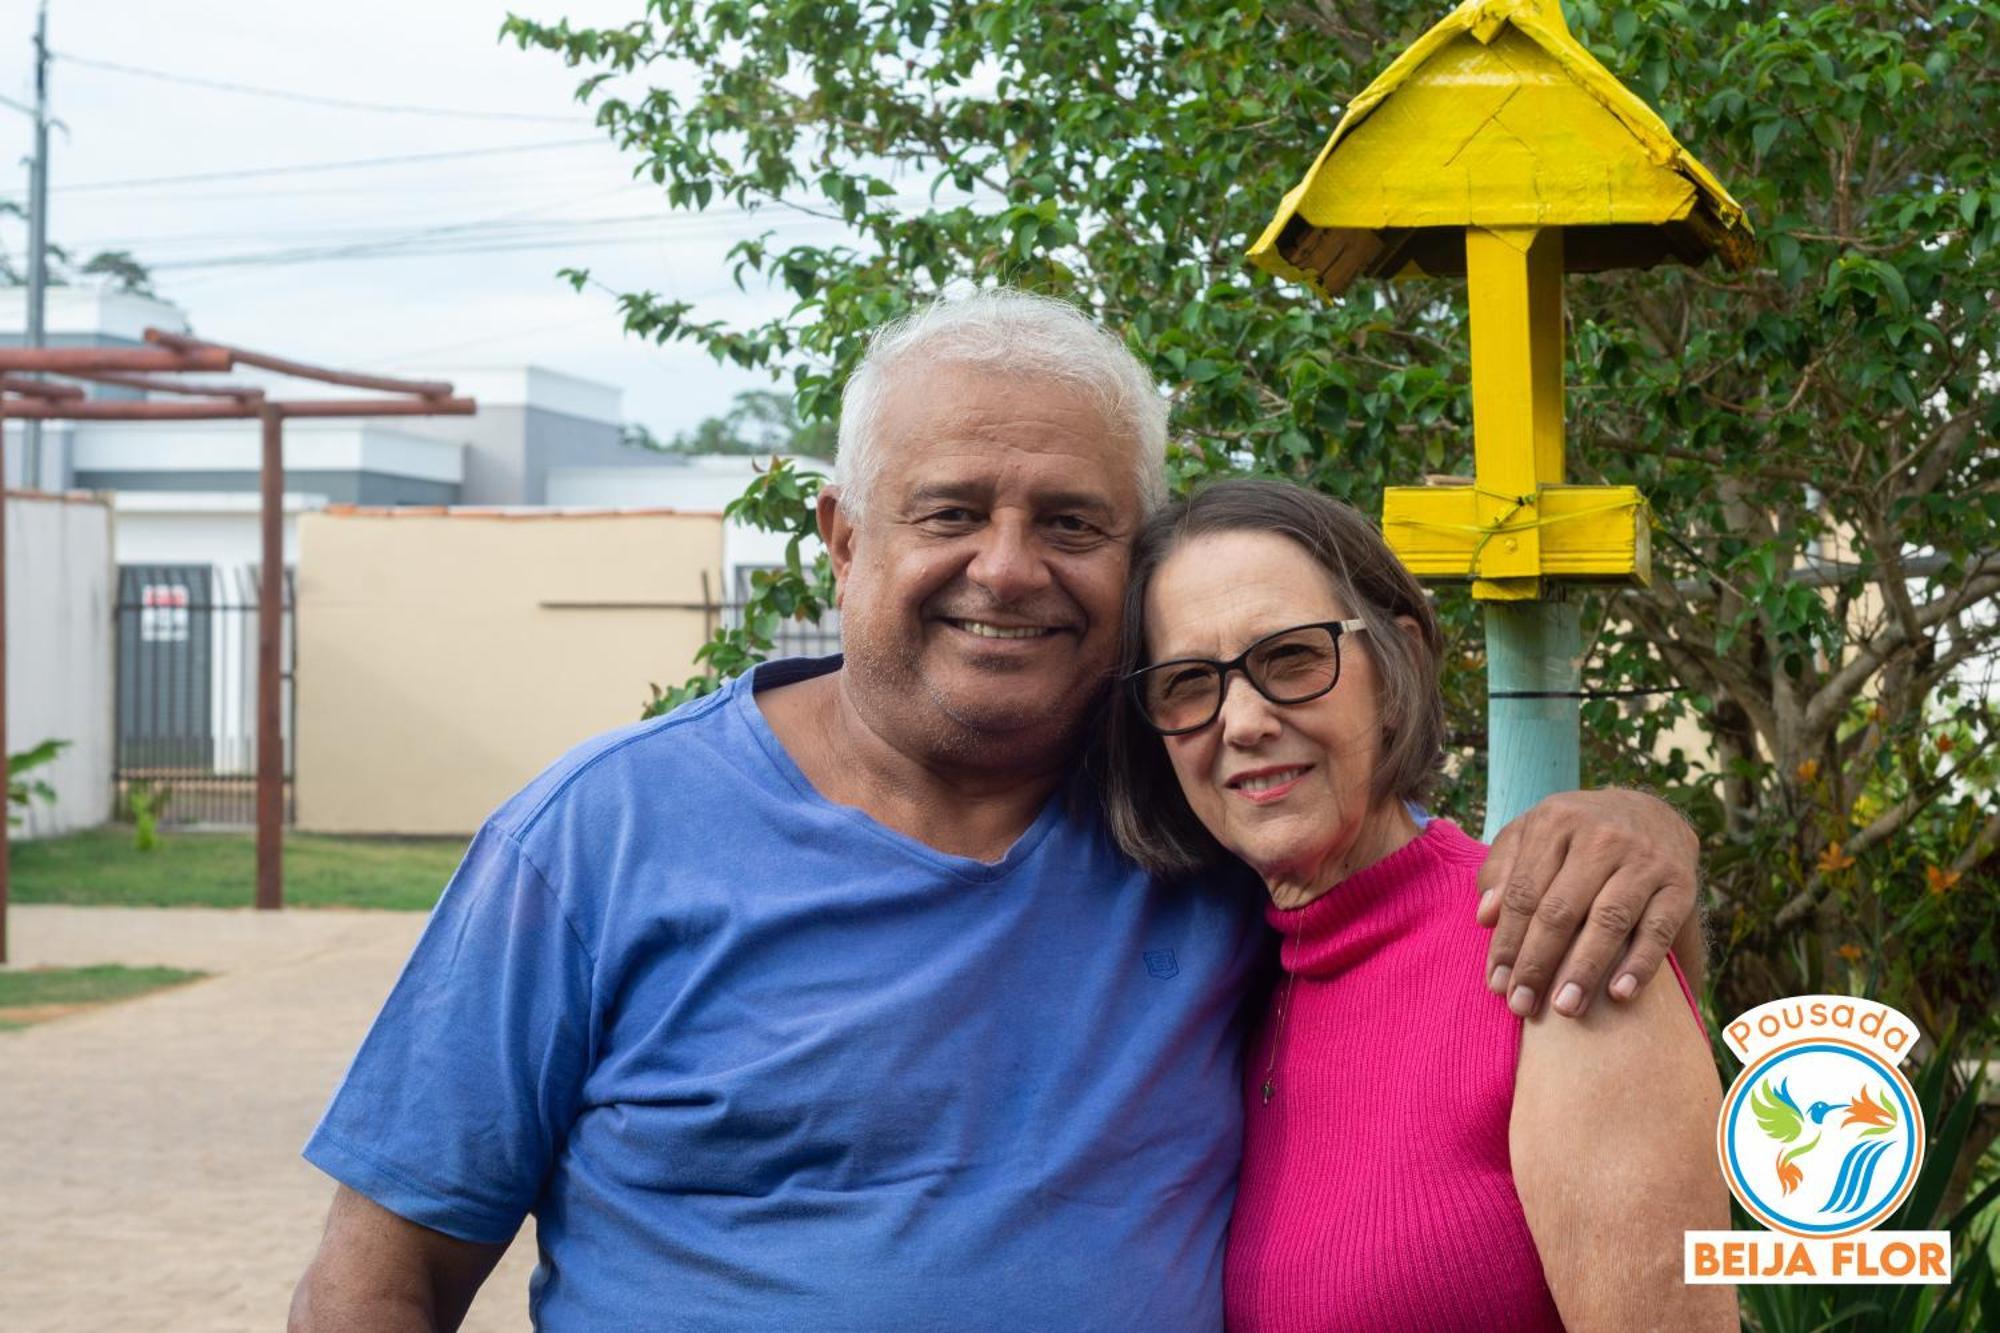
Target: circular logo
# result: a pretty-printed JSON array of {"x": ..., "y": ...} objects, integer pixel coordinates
[{"x": 1820, "y": 1138}]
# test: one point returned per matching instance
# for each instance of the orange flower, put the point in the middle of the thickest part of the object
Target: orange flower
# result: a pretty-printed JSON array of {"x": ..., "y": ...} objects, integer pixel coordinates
[
  {"x": 1863, "y": 1110},
  {"x": 1851, "y": 952},
  {"x": 1940, "y": 880},
  {"x": 1945, "y": 744},
  {"x": 1808, "y": 770},
  {"x": 1833, "y": 859}
]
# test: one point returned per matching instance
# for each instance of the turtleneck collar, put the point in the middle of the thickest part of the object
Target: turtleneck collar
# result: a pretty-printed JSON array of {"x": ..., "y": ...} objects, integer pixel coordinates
[{"x": 1379, "y": 902}]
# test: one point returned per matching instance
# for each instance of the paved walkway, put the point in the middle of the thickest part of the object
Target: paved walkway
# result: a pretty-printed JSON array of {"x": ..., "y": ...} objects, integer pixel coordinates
[{"x": 150, "y": 1175}]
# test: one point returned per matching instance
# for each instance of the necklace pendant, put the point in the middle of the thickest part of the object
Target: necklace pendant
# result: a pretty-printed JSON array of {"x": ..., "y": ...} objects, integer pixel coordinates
[{"x": 1267, "y": 1092}]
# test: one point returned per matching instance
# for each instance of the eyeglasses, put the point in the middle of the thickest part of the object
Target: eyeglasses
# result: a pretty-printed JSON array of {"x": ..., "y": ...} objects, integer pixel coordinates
[{"x": 1292, "y": 666}]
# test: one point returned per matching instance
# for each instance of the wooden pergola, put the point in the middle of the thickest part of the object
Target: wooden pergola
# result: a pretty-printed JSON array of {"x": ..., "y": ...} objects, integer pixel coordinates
[{"x": 156, "y": 368}]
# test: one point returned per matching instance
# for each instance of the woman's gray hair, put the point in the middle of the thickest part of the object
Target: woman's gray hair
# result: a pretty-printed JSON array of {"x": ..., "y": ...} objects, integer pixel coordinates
[
  {"x": 1010, "y": 332},
  {"x": 1143, "y": 801}
]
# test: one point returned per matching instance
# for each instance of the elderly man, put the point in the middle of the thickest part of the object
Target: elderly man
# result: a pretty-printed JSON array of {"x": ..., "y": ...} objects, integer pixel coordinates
[{"x": 827, "y": 1001}]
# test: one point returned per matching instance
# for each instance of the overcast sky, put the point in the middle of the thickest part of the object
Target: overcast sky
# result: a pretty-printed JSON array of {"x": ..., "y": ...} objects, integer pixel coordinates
[{"x": 444, "y": 262}]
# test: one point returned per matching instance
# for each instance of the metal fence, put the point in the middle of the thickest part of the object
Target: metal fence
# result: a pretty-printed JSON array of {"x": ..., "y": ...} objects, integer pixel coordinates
[
  {"x": 796, "y": 638},
  {"x": 187, "y": 692},
  {"x": 187, "y": 688}
]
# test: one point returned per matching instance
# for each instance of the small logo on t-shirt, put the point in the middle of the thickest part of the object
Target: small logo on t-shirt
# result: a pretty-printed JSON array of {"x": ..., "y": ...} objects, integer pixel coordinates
[{"x": 1162, "y": 964}]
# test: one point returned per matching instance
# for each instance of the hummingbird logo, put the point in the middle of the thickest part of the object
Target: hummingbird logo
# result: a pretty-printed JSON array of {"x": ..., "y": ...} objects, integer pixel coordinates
[
  {"x": 1795, "y": 1133},
  {"x": 1778, "y": 1115},
  {"x": 1820, "y": 1138}
]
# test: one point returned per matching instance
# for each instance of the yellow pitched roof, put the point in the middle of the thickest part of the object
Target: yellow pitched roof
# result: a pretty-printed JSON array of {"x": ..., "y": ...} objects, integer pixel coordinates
[{"x": 1498, "y": 117}]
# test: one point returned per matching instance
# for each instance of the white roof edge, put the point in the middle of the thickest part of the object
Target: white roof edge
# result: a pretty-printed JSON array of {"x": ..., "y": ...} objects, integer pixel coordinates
[
  {"x": 83, "y": 311},
  {"x": 210, "y": 502},
  {"x": 533, "y": 386},
  {"x": 201, "y": 447},
  {"x": 691, "y": 464},
  {"x": 348, "y": 510}
]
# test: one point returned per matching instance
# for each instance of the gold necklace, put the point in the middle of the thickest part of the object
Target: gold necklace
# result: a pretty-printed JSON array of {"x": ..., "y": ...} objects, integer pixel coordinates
[{"x": 1278, "y": 1037}]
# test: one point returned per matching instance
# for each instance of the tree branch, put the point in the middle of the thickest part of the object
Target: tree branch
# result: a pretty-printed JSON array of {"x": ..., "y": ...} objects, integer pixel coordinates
[{"x": 1832, "y": 698}]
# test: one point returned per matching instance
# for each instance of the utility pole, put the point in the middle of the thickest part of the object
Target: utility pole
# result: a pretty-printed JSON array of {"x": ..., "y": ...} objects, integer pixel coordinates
[{"x": 38, "y": 237}]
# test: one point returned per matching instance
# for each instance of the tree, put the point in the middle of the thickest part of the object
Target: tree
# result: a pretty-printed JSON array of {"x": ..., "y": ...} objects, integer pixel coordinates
[
  {"x": 119, "y": 269},
  {"x": 1815, "y": 435},
  {"x": 759, "y": 422},
  {"x": 116, "y": 268}
]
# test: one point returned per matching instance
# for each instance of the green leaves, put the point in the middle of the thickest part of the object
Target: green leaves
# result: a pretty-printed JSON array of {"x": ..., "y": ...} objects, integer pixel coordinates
[
  {"x": 781, "y": 499},
  {"x": 1799, "y": 427},
  {"x": 23, "y": 790},
  {"x": 1765, "y": 133}
]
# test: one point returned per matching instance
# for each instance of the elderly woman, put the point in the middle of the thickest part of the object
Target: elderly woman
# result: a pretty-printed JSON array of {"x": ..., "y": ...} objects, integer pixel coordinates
[{"x": 1429, "y": 1164}]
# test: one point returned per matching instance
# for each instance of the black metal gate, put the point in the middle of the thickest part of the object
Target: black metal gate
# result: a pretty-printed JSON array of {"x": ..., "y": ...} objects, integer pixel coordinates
[
  {"x": 794, "y": 638},
  {"x": 187, "y": 692}
]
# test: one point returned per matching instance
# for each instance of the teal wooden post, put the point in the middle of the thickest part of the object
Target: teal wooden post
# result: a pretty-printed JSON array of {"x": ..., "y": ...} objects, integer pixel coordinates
[{"x": 1532, "y": 648}]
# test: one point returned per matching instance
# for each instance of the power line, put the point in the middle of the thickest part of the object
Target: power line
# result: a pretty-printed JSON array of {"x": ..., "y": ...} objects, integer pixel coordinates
[
  {"x": 648, "y": 228},
  {"x": 166, "y": 245},
  {"x": 493, "y": 235},
  {"x": 418, "y": 189},
  {"x": 372, "y": 230},
  {"x": 508, "y": 231},
  {"x": 351, "y": 164},
  {"x": 309, "y": 99},
  {"x": 444, "y": 238},
  {"x": 571, "y": 243},
  {"x": 453, "y": 232},
  {"x": 401, "y": 187},
  {"x": 426, "y": 235}
]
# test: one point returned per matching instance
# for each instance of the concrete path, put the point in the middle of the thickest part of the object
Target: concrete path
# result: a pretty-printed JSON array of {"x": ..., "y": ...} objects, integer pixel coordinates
[{"x": 150, "y": 1175}]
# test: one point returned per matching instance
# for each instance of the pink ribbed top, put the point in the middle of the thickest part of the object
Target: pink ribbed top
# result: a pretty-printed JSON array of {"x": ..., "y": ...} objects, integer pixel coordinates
[{"x": 1377, "y": 1191}]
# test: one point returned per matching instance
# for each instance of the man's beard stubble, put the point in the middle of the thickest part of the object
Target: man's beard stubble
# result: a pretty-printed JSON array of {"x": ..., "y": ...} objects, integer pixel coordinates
[{"x": 1037, "y": 734}]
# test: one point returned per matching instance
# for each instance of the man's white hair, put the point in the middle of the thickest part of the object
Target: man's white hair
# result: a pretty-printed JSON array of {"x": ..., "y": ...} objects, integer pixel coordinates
[{"x": 1008, "y": 332}]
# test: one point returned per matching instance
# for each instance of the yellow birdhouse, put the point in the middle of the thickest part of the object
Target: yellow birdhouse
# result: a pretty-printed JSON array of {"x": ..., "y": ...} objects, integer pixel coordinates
[{"x": 1498, "y": 147}]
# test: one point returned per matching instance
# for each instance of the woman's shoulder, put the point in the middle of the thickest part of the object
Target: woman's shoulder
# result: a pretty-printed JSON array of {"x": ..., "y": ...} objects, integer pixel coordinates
[{"x": 1633, "y": 1051}]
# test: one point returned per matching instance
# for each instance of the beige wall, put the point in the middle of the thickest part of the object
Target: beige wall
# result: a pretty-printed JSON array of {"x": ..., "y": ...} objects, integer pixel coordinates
[{"x": 435, "y": 678}]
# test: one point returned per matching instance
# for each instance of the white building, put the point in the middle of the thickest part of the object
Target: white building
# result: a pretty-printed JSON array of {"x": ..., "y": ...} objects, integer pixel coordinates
[
  {"x": 185, "y": 531},
  {"x": 185, "y": 504}
]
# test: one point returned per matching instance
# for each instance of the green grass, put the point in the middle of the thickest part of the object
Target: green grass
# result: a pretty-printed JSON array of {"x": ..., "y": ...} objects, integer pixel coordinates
[
  {"x": 100, "y": 868},
  {"x": 78, "y": 987},
  {"x": 85, "y": 985}
]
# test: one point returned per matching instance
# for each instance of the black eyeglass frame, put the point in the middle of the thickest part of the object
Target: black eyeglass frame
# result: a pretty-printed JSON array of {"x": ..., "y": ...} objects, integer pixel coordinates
[{"x": 1135, "y": 681}]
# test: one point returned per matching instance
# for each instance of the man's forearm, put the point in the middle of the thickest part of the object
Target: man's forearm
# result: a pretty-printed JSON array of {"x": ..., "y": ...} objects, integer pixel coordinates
[
  {"x": 376, "y": 1271},
  {"x": 319, "y": 1308}
]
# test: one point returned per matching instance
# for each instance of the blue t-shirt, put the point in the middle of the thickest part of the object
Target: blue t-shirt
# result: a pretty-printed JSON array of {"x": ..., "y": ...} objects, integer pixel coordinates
[{"x": 755, "y": 1061}]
